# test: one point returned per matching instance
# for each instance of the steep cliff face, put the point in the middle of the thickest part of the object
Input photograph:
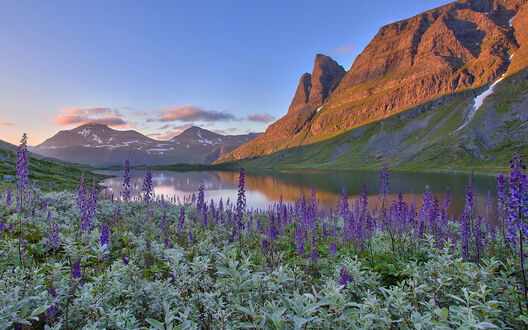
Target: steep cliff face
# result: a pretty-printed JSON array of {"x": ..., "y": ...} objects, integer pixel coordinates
[
  {"x": 464, "y": 45},
  {"x": 312, "y": 92}
]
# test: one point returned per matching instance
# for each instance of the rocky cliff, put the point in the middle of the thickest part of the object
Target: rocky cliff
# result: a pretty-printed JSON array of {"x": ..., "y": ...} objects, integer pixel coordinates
[{"x": 463, "y": 46}]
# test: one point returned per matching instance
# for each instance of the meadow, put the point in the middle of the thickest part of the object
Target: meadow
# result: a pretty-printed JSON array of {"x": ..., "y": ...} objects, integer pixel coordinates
[{"x": 82, "y": 259}]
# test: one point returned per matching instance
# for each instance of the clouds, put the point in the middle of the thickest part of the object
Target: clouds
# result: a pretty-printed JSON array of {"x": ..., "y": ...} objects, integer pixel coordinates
[
  {"x": 85, "y": 115},
  {"x": 170, "y": 131},
  {"x": 191, "y": 113},
  {"x": 6, "y": 124},
  {"x": 163, "y": 123},
  {"x": 345, "y": 49},
  {"x": 261, "y": 118},
  {"x": 188, "y": 113}
]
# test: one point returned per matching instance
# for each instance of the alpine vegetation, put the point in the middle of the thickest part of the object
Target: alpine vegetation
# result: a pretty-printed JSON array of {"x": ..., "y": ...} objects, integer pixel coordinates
[{"x": 78, "y": 259}]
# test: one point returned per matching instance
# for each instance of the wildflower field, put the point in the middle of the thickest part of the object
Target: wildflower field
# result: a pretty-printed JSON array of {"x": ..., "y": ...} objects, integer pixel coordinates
[{"x": 78, "y": 259}]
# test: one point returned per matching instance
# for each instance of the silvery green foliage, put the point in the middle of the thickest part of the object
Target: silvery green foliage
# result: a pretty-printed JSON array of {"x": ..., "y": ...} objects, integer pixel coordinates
[{"x": 212, "y": 283}]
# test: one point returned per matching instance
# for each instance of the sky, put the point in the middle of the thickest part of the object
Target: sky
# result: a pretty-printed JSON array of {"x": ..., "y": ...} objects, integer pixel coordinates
[{"x": 162, "y": 66}]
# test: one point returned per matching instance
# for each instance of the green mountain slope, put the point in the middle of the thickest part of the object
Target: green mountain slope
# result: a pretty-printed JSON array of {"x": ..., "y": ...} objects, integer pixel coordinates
[
  {"x": 47, "y": 173},
  {"x": 429, "y": 137}
]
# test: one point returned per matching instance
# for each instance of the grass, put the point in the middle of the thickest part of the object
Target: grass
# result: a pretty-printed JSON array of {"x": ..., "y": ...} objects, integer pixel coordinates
[{"x": 47, "y": 173}]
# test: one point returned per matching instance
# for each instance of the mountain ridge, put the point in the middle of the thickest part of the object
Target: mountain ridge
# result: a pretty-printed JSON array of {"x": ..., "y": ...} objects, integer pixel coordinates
[
  {"x": 463, "y": 46},
  {"x": 100, "y": 145}
]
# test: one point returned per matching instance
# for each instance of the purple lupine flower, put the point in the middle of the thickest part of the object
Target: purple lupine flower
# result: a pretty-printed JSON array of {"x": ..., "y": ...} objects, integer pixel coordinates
[
  {"x": 271, "y": 232},
  {"x": 332, "y": 249},
  {"x": 205, "y": 219},
  {"x": 125, "y": 259},
  {"x": 22, "y": 166},
  {"x": 181, "y": 220},
  {"x": 9, "y": 195},
  {"x": 241, "y": 199},
  {"x": 477, "y": 234},
  {"x": 433, "y": 215},
  {"x": 517, "y": 200},
  {"x": 53, "y": 310},
  {"x": 200, "y": 202},
  {"x": 76, "y": 270},
  {"x": 299, "y": 240},
  {"x": 126, "y": 182},
  {"x": 90, "y": 208},
  {"x": 45, "y": 205},
  {"x": 53, "y": 233},
  {"x": 344, "y": 277},
  {"x": 445, "y": 205},
  {"x": 2, "y": 226},
  {"x": 147, "y": 191},
  {"x": 265, "y": 246},
  {"x": 427, "y": 200},
  {"x": 52, "y": 291},
  {"x": 259, "y": 225},
  {"x": 117, "y": 214},
  {"x": 313, "y": 255},
  {"x": 149, "y": 247},
  {"x": 105, "y": 236},
  {"x": 465, "y": 232}
]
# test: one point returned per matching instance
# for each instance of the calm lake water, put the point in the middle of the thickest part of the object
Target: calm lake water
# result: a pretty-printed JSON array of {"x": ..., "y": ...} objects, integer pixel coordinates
[{"x": 266, "y": 188}]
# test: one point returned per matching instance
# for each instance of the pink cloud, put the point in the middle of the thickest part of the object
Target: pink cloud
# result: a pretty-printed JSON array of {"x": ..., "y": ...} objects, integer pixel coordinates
[
  {"x": 261, "y": 117},
  {"x": 97, "y": 115},
  {"x": 189, "y": 112},
  {"x": 172, "y": 132},
  {"x": 345, "y": 49},
  {"x": 7, "y": 124}
]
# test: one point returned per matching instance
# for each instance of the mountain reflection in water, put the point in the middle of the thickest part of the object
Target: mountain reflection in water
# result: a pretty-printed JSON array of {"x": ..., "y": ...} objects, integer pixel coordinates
[{"x": 265, "y": 188}]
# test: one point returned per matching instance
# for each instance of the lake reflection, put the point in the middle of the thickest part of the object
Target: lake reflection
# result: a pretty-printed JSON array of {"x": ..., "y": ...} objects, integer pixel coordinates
[{"x": 265, "y": 188}]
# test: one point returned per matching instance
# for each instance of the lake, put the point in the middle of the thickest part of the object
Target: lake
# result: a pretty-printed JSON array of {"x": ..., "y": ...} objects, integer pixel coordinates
[{"x": 266, "y": 188}]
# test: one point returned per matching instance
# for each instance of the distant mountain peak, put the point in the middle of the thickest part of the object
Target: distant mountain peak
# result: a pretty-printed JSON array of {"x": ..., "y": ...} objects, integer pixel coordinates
[{"x": 97, "y": 144}]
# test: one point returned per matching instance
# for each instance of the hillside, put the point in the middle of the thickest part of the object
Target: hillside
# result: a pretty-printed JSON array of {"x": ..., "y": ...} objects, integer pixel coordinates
[
  {"x": 433, "y": 136},
  {"x": 45, "y": 172},
  {"x": 419, "y": 77}
]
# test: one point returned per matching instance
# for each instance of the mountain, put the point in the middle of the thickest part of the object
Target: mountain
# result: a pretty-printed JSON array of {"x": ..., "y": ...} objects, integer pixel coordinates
[
  {"x": 99, "y": 145},
  {"x": 423, "y": 73},
  {"x": 312, "y": 92}
]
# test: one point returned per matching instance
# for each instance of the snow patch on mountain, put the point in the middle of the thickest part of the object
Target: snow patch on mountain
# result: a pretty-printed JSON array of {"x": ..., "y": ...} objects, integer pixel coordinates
[
  {"x": 97, "y": 139},
  {"x": 84, "y": 132},
  {"x": 478, "y": 101}
]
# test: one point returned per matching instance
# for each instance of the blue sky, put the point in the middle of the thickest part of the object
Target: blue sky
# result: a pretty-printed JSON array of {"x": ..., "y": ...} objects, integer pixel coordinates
[{"x": 161, "y": 66}]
